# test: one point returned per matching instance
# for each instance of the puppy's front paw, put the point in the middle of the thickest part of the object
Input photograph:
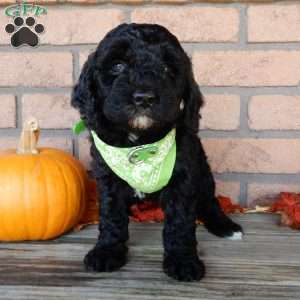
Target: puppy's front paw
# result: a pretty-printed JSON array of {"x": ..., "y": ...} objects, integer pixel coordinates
[
  {"x": 184, "y": 268},
  {"x": 106, "y": 259}
]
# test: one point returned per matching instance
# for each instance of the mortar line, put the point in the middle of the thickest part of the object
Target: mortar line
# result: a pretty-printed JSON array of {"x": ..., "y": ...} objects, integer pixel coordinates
[
  {"x": 266, "y": 178},
  {"x": 76, "y": 147},
  {"x": 127, "y": 13},
  {"x": 16, "y": 111},
  {"x": 232, "y": 46},
  {"x": 19, "y": 110},
  {"x": 245, "y": 133},
  {"x": 147, "y": 4},
  {"x": 251, "y": 90},
  {"x": 210, "y": 46},
  {"x": 75, "y": 64},
  {"x": 34, "y": 90},
  {"x": 243, "y": 26},
  {"x": 46, "y": 132},
  {"x": 240, "y": 90},
  {"x": 203, "y": 134},
  {"x": 244, "y": 101},
  {"x": 243, "y": 197}
]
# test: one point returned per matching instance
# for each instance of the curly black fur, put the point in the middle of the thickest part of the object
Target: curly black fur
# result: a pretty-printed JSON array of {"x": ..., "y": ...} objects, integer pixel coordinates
[{"x": 148, "y": 58}]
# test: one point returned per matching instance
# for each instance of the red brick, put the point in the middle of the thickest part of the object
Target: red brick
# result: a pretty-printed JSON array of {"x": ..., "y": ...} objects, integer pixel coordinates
[
  {"x": 247, "y": 68},
  {"x": 254, "y": 155},
  {"x": 193, "y": 24},
  {"x": 52, "y": 110},
  {"x": 36, "y": 69},
  {"x": 7, "y": 111},
  {"x": 220, "y": 112},
  {"x": 4, "y": 37},
  {"x": 78, "y": 25},
  {"x": 274, "y": 112},
  {"x": 274, "y": 23}
]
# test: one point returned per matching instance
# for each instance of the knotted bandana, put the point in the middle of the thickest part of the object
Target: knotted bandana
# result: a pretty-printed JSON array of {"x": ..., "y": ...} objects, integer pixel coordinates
[{"x": 146, "y": 168}]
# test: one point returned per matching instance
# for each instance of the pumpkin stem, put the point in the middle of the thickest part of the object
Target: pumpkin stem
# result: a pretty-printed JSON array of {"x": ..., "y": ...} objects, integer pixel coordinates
[{"x": 29, "y": 137}]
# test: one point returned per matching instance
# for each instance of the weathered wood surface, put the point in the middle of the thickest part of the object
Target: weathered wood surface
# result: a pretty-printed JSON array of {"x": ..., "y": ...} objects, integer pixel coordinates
[{"x": 265, "y": 265}]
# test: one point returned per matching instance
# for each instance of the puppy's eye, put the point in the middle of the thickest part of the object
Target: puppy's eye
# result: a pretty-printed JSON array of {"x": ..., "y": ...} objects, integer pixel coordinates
[{"x": 117, "y": 68}]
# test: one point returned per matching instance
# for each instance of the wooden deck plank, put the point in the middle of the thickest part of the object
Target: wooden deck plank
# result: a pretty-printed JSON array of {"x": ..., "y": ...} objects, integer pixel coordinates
[
  {"x": 209, "y": 292},
  {"x": 265, "y": 265}
]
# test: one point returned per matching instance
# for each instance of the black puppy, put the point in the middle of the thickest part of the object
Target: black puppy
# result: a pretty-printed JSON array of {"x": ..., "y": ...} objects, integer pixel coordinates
[{"x": 133, "y": 90}]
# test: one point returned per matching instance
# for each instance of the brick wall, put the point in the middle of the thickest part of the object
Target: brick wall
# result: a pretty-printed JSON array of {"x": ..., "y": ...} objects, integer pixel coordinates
[{"x": 246, "y": 59}]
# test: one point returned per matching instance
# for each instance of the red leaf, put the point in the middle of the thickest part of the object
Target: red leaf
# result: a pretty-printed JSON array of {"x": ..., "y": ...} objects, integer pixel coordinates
[
  {"x": 145, "y": 211},
  {"x": 288, "y": 204},
  {"x": 228, "y": 206}
]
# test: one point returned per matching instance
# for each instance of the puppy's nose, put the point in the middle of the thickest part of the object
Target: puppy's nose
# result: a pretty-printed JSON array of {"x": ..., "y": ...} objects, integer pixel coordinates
[{"x": 144, "y": 98}]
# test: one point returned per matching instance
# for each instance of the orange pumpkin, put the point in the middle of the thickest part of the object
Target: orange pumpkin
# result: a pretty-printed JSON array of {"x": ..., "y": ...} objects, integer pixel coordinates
[{"x": 42, "y": 190}]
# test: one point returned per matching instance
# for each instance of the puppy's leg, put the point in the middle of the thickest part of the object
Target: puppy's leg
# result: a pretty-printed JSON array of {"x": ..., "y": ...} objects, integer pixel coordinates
[
  {"x": 110, "y": 251},
  {"x": 210, "y": 212},
  {"x": 180, "y": 257},
  {"x": 216, "y": 222}
]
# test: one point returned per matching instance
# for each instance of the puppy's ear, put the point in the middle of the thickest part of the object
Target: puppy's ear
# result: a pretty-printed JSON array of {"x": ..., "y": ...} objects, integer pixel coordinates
[
  {"x": 84, "y": 94},
  {"x": 193, "y": 100}
]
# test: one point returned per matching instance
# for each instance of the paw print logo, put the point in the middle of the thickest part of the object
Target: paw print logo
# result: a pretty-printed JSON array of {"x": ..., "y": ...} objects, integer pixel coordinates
[{"x": 24, "y": 34}]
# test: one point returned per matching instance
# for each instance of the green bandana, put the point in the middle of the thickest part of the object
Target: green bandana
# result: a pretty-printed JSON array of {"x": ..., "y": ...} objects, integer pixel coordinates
[{"x": 147, "y": 168}]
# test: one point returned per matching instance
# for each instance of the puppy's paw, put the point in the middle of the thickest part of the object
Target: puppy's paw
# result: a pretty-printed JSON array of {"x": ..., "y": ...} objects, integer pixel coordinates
[
  {"x": 225, "y": 228},
  {"x": 236, "y": 236},
  {"x": 233, "y": 232},
  {"x": 101, "y": 259},
  {"x": 184, "y": 268}
]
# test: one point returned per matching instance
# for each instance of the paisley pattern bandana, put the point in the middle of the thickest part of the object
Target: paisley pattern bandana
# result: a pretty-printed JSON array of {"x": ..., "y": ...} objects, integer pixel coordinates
[{"x": 146, "y": 168}]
